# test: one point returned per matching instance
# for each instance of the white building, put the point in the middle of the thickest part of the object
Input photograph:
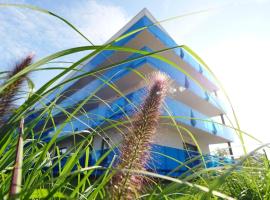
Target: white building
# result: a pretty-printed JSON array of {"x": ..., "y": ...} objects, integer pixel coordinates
[{"x": 191, "y": 102}]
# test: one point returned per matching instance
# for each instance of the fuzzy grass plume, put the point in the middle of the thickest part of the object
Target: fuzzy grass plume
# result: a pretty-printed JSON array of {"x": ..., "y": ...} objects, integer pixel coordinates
[
  {"x": 135, "y": 149},
  {"x": 8, "y": 95}
]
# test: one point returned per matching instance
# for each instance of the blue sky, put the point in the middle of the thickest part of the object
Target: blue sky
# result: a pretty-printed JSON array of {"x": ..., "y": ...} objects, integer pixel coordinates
[{"x": 233, "y": 38}]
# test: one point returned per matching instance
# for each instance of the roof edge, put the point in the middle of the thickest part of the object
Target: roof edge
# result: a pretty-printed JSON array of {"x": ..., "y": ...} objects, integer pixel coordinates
[{"x": 143, "y": 12}]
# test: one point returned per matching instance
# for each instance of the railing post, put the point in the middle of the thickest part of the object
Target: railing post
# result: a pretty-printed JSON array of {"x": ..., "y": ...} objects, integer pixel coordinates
[
  {"x": 222, "y": 119},
  {"x": 230, "y": 150}
]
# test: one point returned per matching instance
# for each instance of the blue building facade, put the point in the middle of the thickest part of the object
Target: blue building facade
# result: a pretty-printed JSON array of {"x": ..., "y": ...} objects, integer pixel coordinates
[{"x": 116, "y": 93}]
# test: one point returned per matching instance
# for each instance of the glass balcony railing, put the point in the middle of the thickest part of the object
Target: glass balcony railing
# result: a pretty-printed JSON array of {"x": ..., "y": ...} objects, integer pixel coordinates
[
  {"x": 163, "y": 160},
  {"x": 193, "y": 118},
  {"x": 187, "y": 82},
  {"x": 120, "y": 71},
  {"x": 157, "y": 32},
  {"x": 185, "y": 56},
  {"x": 168, "y": 42},
  {"x": 125, "y": 106}
]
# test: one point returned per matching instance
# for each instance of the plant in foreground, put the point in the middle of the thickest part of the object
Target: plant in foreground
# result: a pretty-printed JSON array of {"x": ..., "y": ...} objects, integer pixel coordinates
[
  {"x": 7, "y": 98},
  {"x": 8, "y": 95},
  {"x": 135, "y": 149},
  {"x": 16, "y": 181},
  {"x": 252, "y": 181}
]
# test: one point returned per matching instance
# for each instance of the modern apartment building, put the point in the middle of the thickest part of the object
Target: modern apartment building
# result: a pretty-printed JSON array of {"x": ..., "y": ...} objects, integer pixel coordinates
[{"x": 115, "y": 93}]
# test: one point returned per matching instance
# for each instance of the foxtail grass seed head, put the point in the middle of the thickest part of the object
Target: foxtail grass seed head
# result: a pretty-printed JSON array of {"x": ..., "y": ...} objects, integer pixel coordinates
[
  {"x": 135, "y": 149},
  {"x": 9, "y": 94}
]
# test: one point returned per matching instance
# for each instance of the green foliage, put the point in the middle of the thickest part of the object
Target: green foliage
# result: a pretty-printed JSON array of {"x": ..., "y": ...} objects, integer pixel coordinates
[
  {"x": 244, "y": 180},
  {"x": 251, "y": 181},
  {"x": 135, "y": 148}
]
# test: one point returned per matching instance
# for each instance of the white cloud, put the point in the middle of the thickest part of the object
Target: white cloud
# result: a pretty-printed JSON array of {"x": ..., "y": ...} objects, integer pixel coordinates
[
  {"x": 99, "y": 22},
  {"x": 23, "y": 30}
]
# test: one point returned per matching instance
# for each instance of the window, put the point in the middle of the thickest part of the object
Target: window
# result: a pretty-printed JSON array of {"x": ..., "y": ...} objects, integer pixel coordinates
[
  {"x": 190, "y": 147},
  {"x": 191, "y": 154}
]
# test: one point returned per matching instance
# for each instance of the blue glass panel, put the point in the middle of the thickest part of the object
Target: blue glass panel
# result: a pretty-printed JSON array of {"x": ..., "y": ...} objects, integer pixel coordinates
[
  {"x": 96, "y": 116},
  {"x": 155, "y": 30},
  {"x": 166, "y": 160}
]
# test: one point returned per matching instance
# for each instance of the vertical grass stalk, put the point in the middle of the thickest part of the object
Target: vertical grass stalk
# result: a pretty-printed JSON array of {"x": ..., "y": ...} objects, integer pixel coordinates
[
  {"x": 135, "y": 149},
  {"x": 16, "y": 181}
]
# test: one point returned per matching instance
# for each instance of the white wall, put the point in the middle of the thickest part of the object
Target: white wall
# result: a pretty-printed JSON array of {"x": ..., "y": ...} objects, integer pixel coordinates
[{"x": 165, "y": 135}]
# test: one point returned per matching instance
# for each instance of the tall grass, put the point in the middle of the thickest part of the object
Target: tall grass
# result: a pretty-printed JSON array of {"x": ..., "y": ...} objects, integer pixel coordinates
[{"x": 246, "y": 179}]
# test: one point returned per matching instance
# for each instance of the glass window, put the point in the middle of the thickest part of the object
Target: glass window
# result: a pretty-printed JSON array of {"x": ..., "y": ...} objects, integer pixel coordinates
[{"x": 190, "y": 147}]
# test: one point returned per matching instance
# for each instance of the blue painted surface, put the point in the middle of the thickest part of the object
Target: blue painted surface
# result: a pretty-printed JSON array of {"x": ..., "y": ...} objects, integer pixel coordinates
[
  {"x": 163, "y": 160},
  {"x": 123, "y": 106},
  {"x": 122, "y": 70},
  {"x": 153, "y": 29},
  {"x": 127, "y": 105}
]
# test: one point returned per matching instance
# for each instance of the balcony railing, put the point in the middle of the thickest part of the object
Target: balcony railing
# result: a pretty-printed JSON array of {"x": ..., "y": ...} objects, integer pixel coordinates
[
  {"x": 163, "y": 160},
  {"x": 120, "y": 71},
  {"x": 125, "y": 106}
]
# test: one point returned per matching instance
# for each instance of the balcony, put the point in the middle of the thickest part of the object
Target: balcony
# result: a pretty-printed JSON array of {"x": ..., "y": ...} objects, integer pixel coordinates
[
  {"x": 125, "y": 106},
  {"x": 160, "y": 36},
  {"x": 125, "y": 80}
]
